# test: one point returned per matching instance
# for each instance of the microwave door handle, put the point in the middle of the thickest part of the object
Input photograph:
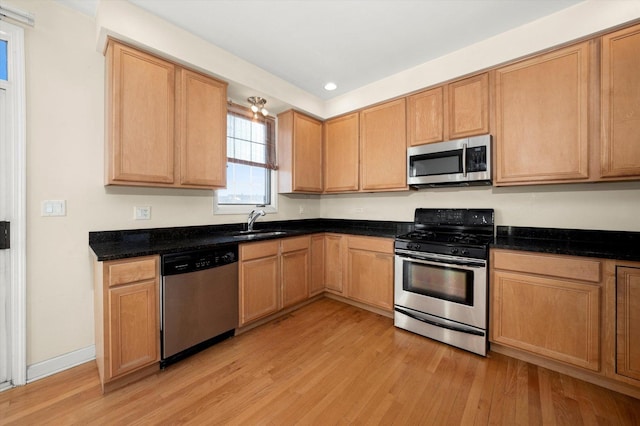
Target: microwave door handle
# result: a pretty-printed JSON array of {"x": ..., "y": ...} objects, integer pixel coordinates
[{"x": 464, "y": 159}]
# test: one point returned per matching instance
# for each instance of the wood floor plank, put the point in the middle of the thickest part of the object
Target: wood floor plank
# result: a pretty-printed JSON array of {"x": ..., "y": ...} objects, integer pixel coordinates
[{"x": 327, "y": 363}]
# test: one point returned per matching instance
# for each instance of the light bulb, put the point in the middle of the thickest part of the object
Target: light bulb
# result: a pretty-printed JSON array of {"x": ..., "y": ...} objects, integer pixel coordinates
[
  {"x": 254, "y": 108},
  {"x": 264, "y": 112}
]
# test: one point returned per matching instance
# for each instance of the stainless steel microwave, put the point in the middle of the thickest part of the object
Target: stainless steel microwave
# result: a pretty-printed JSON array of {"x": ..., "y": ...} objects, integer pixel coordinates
[{"x": 456, "y": 163}]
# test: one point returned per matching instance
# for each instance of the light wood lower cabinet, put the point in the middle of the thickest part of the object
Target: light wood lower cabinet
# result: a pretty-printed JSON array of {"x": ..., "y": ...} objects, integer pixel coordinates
[
  {"x": 628, "y": 322},
  {"x": 317, "y": 250},
  {"x": 295, "y": 269},
  {"x": 126, "y": 318},
  {"x": 259, "y": 280},
  {"x": 334, "y": 253},
  {"x": 547, "y": 305},
  {"x": 370, "y": 271}
]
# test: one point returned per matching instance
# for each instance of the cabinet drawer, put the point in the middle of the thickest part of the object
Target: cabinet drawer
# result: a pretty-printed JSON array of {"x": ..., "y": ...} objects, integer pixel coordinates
[
  {"x": 569, "y": 267},
  {"x": 130, "y": 271},
  {"x": 296, "y": 243},
  {"x": 382, "y": 245},
  {"x": 258, "y": 250}
]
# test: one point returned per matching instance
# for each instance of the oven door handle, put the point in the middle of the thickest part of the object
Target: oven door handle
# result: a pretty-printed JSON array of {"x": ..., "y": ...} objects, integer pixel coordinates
[
  {"x": 460, "y": 329},
  {"x": 469, "y": 264}
]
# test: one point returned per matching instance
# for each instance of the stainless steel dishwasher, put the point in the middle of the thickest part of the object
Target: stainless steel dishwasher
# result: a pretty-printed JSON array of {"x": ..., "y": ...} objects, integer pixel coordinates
[{"x": 199, "y": 301}]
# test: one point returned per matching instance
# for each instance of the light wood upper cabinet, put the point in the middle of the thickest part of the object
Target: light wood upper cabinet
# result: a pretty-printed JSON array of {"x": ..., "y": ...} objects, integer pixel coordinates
[
  {"x": 299, "y": 153},
  {"x": 452, "y": 111},
  {"x": 620, "y": 103},
  {"x": 165, "y": 126},
  {"x": 548, "y": 305},
  {"x": 468, "y": 107},
  {"x": 370, "y": 271},
  {"x": 140, "y": 117},
  {"x": 628, "y": 322},
  {"x": 425, "y": 117},
  {"x": 341, "y": 154},
  {"x": 127, "y": 319},
  {"x": 202, "y": 133},
  {"x": 383, "y": 147},
  {"x": 542, "y": 120}
]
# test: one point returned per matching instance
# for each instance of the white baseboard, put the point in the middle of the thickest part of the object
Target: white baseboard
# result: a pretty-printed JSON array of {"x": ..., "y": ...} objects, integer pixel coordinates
[{"x": 55, "y": 365}]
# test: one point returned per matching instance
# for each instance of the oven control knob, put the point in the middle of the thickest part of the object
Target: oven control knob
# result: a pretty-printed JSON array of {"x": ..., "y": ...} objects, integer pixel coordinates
[
  {"x": 454, "y": 251},
  {"x": 413, "y": 246},
  {"x": 465, "y": 252}
]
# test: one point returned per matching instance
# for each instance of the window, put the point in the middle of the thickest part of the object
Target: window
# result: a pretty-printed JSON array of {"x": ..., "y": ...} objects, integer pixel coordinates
[
  {"x": 250, "y": 162},
  {"x": 3, "y": 60}
]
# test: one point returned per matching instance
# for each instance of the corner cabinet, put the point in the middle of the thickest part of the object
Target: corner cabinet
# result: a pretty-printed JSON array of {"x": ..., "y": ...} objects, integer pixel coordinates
[
  {"x": 620, "y": 91},
  {"x": 299, "y": 153},
  {"x": 383, "y": 147},
  {"x": 165, "y": 125},
  {"x": 127, "y": 320},
  {"x": 542, "y": 118}
]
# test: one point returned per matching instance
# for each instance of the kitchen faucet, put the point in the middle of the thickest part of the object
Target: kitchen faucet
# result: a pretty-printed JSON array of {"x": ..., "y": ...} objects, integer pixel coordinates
[{"x": 253, "y": 216}]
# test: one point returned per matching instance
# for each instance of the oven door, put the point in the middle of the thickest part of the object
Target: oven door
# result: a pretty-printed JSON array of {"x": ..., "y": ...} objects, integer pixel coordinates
[{"x": 451, "y": 288}]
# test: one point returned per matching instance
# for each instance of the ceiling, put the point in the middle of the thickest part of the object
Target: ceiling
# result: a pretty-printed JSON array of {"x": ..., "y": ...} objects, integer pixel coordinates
[{"x": 349, "y": 42}]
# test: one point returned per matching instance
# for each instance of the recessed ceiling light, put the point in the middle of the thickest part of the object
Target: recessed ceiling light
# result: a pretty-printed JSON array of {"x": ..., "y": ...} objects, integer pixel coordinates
[{"x": 330, "y": 86}]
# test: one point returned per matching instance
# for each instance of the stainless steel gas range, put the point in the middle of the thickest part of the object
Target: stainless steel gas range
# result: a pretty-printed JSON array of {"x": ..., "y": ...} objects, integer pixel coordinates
[{"x": 441, "y": 276}]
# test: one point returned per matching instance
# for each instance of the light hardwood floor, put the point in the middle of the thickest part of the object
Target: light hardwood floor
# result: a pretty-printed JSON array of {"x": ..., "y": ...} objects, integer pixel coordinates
[{"x": 326, "y": 363}]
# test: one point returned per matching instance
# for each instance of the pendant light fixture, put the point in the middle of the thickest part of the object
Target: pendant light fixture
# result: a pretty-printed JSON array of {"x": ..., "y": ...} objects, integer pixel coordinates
[{"x": 257, "y": 106}]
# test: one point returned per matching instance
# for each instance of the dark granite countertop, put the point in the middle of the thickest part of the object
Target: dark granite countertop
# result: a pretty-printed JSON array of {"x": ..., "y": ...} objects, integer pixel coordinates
[
  {"x": 618, "y": 245},
  {"x": 112, "y": 245}
]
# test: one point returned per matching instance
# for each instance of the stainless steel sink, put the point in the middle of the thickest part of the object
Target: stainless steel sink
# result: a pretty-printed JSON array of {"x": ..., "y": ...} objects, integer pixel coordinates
[{"x": 258, "y": 233}]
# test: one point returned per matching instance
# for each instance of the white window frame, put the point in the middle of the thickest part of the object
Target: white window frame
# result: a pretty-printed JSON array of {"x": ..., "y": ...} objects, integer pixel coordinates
[{"x": 230, "y": 209}]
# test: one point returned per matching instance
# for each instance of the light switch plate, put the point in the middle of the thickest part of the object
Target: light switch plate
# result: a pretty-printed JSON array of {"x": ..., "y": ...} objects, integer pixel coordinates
[
  {"x": 142, "y": 212},
  {"x": 54, "y": 208}
]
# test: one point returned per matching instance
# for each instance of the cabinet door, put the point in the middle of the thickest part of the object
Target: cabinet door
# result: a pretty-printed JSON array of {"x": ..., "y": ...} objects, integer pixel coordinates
[
  {"x": 134, "y": 327},
  {"x": 202, "y": 132},
  {"x": 140, "y": 117},
  {"x": 341, "y": 154},
  {"x": 259, "y": 284},
  {"x": 383, "y": 147},
  {"x": 542, "y": 120},
  {"x": 555, "y": 318},
  {"x": 620, "y": 151},
  {"x": 333, "y": 262},
  {"x": 316, "y": 284},
  {"x": 469, "y": 107},
  {"x": 295, "y": 277},
  {"x": 628, "y": 322},
  {"x": 425, "y": 117},
  {"x": 369, "y": 266},
  {"x": 307, "y": 154}
]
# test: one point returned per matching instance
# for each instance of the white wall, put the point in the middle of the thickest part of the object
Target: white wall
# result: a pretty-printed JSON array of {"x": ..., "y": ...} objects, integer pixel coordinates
[{"x": 65, "y": 110}]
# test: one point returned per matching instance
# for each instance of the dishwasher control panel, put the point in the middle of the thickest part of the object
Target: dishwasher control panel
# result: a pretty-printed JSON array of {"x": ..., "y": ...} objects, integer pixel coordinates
[{"x": 184, "y": 262}]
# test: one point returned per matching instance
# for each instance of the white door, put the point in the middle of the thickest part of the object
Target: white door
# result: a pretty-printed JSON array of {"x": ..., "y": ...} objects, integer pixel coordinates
[
  {"x": 4, "y": 254},
  {"x": 12, "y": 207}
]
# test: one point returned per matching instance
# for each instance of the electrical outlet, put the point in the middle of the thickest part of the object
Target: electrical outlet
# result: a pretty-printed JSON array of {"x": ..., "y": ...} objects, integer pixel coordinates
[
  {"x": 359, "y": 209},
  {"x": 301, "y": 210},
  {"x": 142, "y": 213}
]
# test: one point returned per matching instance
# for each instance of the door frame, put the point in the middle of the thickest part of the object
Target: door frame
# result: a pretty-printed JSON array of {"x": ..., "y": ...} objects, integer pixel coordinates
[{"x": 16, "y": 120}]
